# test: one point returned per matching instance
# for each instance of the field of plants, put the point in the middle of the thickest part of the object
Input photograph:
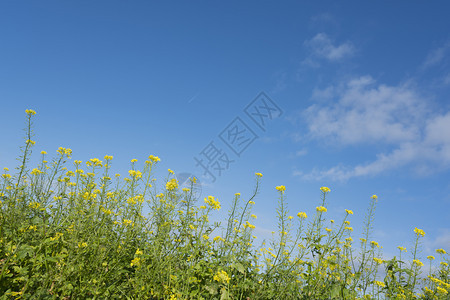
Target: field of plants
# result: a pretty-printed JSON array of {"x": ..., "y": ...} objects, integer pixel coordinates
[{"x": 73, "y": 230}]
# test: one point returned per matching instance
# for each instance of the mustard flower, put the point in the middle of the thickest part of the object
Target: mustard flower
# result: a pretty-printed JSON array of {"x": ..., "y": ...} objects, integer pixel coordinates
[
  {"x": 374, "y": 244},
  {"x": 302, "y": 215},
  {"x": 30, "y": 112},
  {"x": 375, "y": 197},
  {"x": 212, "y": 202},
  {"x": 379, "y": 283},
  {"x": 253, "y": 216},
  {"x": 43, "y": 152},
  {"x": 258, "y": 174},
  {"x": 418, "y": 262},
  {"x": 325, "y": 189},
  {"x": 430, "y": 257},
  {"x": 154, "y": 158},
  {"x": 419, "y": 232},
  {"x": 172, "y": 184},
  {"x": 321, "y": 209},
  {"x": 108, "y": 157},
  {"x": 221, "y": 277},
  {"x": 441, "y": 251},
  {"x": 281, "y": 188},
  {"x": 402, "y": 249},
  {"x": 349, "y": 212}
]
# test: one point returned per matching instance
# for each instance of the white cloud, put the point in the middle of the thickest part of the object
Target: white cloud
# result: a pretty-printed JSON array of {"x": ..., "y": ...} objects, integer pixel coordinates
[
  {"x": 322, "y": 46},
  {"x": 436, "y": 56},
  {"x": 364, "y": 112}
]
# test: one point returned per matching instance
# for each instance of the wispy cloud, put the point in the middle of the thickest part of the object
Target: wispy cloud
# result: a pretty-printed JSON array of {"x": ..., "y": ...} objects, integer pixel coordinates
[
  {"x": 321, "y": 46},
  {"x": 436, "y": 56},
  {"x": 361, "y": 111}
]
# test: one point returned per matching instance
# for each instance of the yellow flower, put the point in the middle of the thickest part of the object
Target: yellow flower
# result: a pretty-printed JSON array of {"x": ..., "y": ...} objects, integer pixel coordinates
[
  {"x": 349, "y": 228},
  {"x": 258, "y": 174},
  {"x": 30, "y": 112},
  {"x": 379, "y": 283},
  {"x": 172, "y": 184},
  {"x": 212, "y": 202},
  {"x": 418, "y": 262},
  {"x": 378, "y": 260},
  {"x": 170, "y": 171},
  {"x": 82, "y": 245},
  {"x": 401, "y": 248},
  {"x": 108, "y": 157},
  {"x": 302, "y": 215},
  {"x": 186, "y": 189},
  {"x": 43, "y": 152},
  {"x": 154, "y": 158},
  {"x": 251, "y": 202},
  {"x": 374, "y": 197},
  {"x": 441, "y": 251},
  {"x": 218, "y": 238},
  {"x": 325, "y": 189},
  {"x": 321, "y": 209},
  {"x": 430, "y": 257},
  {"x": 253, "y": 216},
  {"x": 281, "y": 188},
  {"x": 237, "y": 194},
  {"x": 205, "y": 237},
  {"x": 419, "y": 232},
  {"x": 30, "y": 142},
  {"x": 221, "y": 277},
  {"x": 290, "y": 217},
  {"x": 374, "y": 244},
  {"x": 349, "y": 212},
  {"x": 328, "y": 229}
]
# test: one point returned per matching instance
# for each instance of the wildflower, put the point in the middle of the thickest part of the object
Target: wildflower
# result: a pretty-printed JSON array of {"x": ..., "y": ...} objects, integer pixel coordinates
[
  {"x": 82, "y": 245},
  {"x": 237, "y": 194},
  {"x": 302, "y": 215},
  {"x": 281, "y": 188},
  {"x": 332, "y": 221},
  {"x": 441, "y": 251},
  {"x": 430, "y": 257},
  {"x": 43, "y": 152},
  {"x": 290, "y": 217},
  {"x": 349, "y": 239},
  {"x": 186, "y": 189},
  {"x": 321, "y": 209},
  {"x": 205, "y": 236},
  {"x": 375, "y": 197},
  {"x": 154, "y": 158},
  {"x": 347, "y": 222},
  {"x": 328, "y": 229},
  {"x": 325, "y": 189},
  {"x": 379, "y": 283},
  {"x": 251, "y": 202},
  {"x": 221, "y": 277},
  {"x": 378, "y": 260},
  {"x": 36, "y": 171},
  {"x": 253, "y": 216},
  {"x": 401, "y": 248},
  {"x": 441, "y": 290},
  {"x": 172, "y": 184},
  {"x": 349, "y": 212},
  {"x": 444, "y": 264},
  {"x": 135, "y": 262},
  {"x": 127, "y": 222},
  {"x": 212, "y": 202},
  {"x": 419, "y": 232},
  {"x": 30, "y": 142},
  {"x": 418, "y": 262},
  {"x": 170, "y": 171},
  {"x": 30, "y": 112},
  {"x": 258, "y": 174},
  {"x": 349, "y": 228},
  {"x": 108, "y": 157},
  {"x": 374, "y": 244},
  {"x": 134, "y": 160},
  {"x": 363, "y": 240},
  {"x": 218, "y": 238}
]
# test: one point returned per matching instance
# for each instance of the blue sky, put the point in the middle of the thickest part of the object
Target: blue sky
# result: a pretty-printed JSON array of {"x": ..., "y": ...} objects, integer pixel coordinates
[{"x": 362, "y": 90}]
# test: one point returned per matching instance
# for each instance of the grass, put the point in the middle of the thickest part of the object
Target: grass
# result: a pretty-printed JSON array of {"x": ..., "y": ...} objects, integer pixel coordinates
[{"x": 81, "y": 234}]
